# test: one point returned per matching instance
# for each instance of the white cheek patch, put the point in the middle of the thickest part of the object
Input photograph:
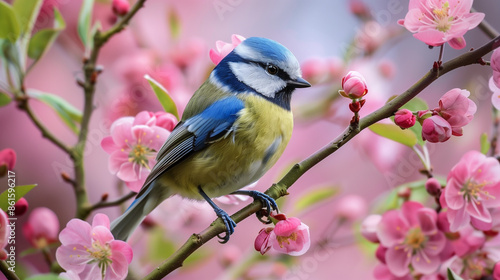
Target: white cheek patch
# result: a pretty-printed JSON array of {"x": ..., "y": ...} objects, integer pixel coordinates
[{"x": 257, "y": 78}]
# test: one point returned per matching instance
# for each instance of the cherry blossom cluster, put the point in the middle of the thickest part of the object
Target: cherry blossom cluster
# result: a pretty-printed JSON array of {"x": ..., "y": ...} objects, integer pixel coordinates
[{"x": 462, "y": 234}]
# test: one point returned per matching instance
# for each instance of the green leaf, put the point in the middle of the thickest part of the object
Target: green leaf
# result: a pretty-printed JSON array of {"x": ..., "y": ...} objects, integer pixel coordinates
[
  {"x": 4, "y": 99},
  {"x": 48, "y": 276},
  {"x": 416, "y": 104},
  {"x": 9, "y": 23},
  {"x": 162, "y": 95},
  {"x": 42, "y": 40},
  {"x": 485, "y": 143},
  {"x": 453, "y": 276},
  {"x": 315, "y": 196},
  {"x": 67, "y": 112},
  {"x": 84, "y": 20},
  {"x": 395, "y": 133},
  {"x": 18, "y": 191},
  {"x": 159, "y": 247},
  {"x": 174, "y": 23},
  {"x": 27, "y": 12}
]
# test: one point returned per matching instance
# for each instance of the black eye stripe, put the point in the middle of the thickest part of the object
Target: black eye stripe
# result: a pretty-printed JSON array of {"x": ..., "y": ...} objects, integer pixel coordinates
[{"x": 282, "y": 74}]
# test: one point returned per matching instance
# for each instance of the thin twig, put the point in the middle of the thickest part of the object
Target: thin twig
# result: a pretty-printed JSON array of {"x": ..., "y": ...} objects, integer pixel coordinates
[
  {"x": 280, "y": 189},
  {"x": 22, "y": 103},
  {"x": 104, "y": 204},
  {"x": 91, "y": 74}
]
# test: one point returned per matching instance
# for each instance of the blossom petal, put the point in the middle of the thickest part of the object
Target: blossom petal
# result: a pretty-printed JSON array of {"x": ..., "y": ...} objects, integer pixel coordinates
[
  {"x": 100, "y": 220},
  {"x": 120, "y": 131},
  {"x": 425, "y": 264},
  {"x": 123, "y": 248},
  {"x": 397, "y": 261},
  {"x": 392, "y": 228},
  {"x": 458, "y": 219},
  {"x": 73, "y": 257},
  {"x": 76, "y": 232},
  {"x": 108, "y": 145},
  {"x": 410, "y": 210},
  {"x": 478, "y": 211},
  {"x": 427, "y": 220}
]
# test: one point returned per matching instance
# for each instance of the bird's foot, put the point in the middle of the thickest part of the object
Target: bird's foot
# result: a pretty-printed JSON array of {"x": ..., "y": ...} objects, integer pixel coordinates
[
  {"x": 228, "y": 222},
  {"x": 268, "y": 202}
]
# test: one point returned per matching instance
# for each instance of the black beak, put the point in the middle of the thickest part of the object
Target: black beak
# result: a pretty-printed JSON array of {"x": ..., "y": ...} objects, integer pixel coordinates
[{"x": 298, "y": 83}]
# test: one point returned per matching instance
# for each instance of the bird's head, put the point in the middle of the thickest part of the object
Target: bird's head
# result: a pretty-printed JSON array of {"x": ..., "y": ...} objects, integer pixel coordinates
[{"x": 260, "y": 66}]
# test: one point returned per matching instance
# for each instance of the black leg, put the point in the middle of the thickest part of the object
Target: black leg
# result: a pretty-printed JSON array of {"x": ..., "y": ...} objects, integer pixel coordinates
[
  {"x": 267, "y": 201},
  {"x": 228, "y": 222}
]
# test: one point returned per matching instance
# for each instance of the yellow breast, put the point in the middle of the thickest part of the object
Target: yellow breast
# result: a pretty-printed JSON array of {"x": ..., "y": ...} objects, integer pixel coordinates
[{"x": 261, "y": 134}]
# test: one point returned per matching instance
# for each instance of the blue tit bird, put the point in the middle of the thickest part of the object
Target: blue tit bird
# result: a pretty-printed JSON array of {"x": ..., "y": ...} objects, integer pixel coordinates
[{"x": 234, "y": 129}]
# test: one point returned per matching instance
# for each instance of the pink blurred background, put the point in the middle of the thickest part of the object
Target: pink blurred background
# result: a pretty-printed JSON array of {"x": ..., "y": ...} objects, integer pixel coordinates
[{"x": 366, "y": 166}]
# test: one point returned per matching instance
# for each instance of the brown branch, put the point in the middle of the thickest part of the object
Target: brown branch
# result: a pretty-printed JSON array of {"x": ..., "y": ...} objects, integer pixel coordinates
[{"x": 280, "y": 189}]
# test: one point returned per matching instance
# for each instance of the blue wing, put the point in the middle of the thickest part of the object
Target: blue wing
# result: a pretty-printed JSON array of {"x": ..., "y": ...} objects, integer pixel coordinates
[{"x": 194, "y": 134}]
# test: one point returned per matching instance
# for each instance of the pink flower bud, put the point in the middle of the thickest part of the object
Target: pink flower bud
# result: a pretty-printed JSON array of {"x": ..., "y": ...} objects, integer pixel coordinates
[
  {"x": 21, "y": 206},
  {"x": 404, "y": 118},
  {"x": 351, "y": 207},
  {"x": 120, "y": 7},
  {"x": 433, "y": 187},
  {"x": 436, "y": 129},
  {"x": 353, "y": 85},
  {"x": 359, "y": 8},
  {"x": 4, "y": 234},
  {"x": 387, "y": 69},
  {"x": 7, "y": 161},
  {"x": 369, "y": 228},
  {"x": 495, "y": 97},
  {"x": 261, "y": 243},
  {"x": 42, "y": 227}
]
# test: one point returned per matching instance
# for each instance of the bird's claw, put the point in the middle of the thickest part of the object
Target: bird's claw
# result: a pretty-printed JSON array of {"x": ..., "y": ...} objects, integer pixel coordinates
[
  {"x": 268, "y": 202},
  {"x": 228, "y": 222}
]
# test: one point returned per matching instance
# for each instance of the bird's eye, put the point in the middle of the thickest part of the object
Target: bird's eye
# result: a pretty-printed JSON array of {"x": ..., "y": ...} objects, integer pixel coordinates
[{"x": 271, "y": 69}]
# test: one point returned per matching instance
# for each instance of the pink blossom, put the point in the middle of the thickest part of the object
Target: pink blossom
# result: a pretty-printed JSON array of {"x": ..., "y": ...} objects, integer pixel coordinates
[
  {"x": 4, "y": 234},
  {"x": 229, "y": 255},
  {"x": 351, "y": 207},
  {"x": 411, "y": 237},
  {"x": 436, "y": 129},
  {"x": 290, "y": 236},
  {"x": 261, "y": 243},
  {"x": 91, "y": 252},
  {"x": 387, "y": 68},
  {"x": 404, "y": 118},
  {"x": 42, "y": 227},
  {"x": 120, "y": 7},
  {"x": 473, "y": 186},
  {"x": 369, "y": 227},
  {"x": 353, "y": 85},
  {"x": 495, "y": 66},
  {"x": 224, "y": 48},
  {"x": 186, "y": 52},
  {"x": 495, "y": 97},
  {"x": 457, "y": 109},
  {"x": 133, "y": 145},
  {"x": 436, "y": 22}
]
